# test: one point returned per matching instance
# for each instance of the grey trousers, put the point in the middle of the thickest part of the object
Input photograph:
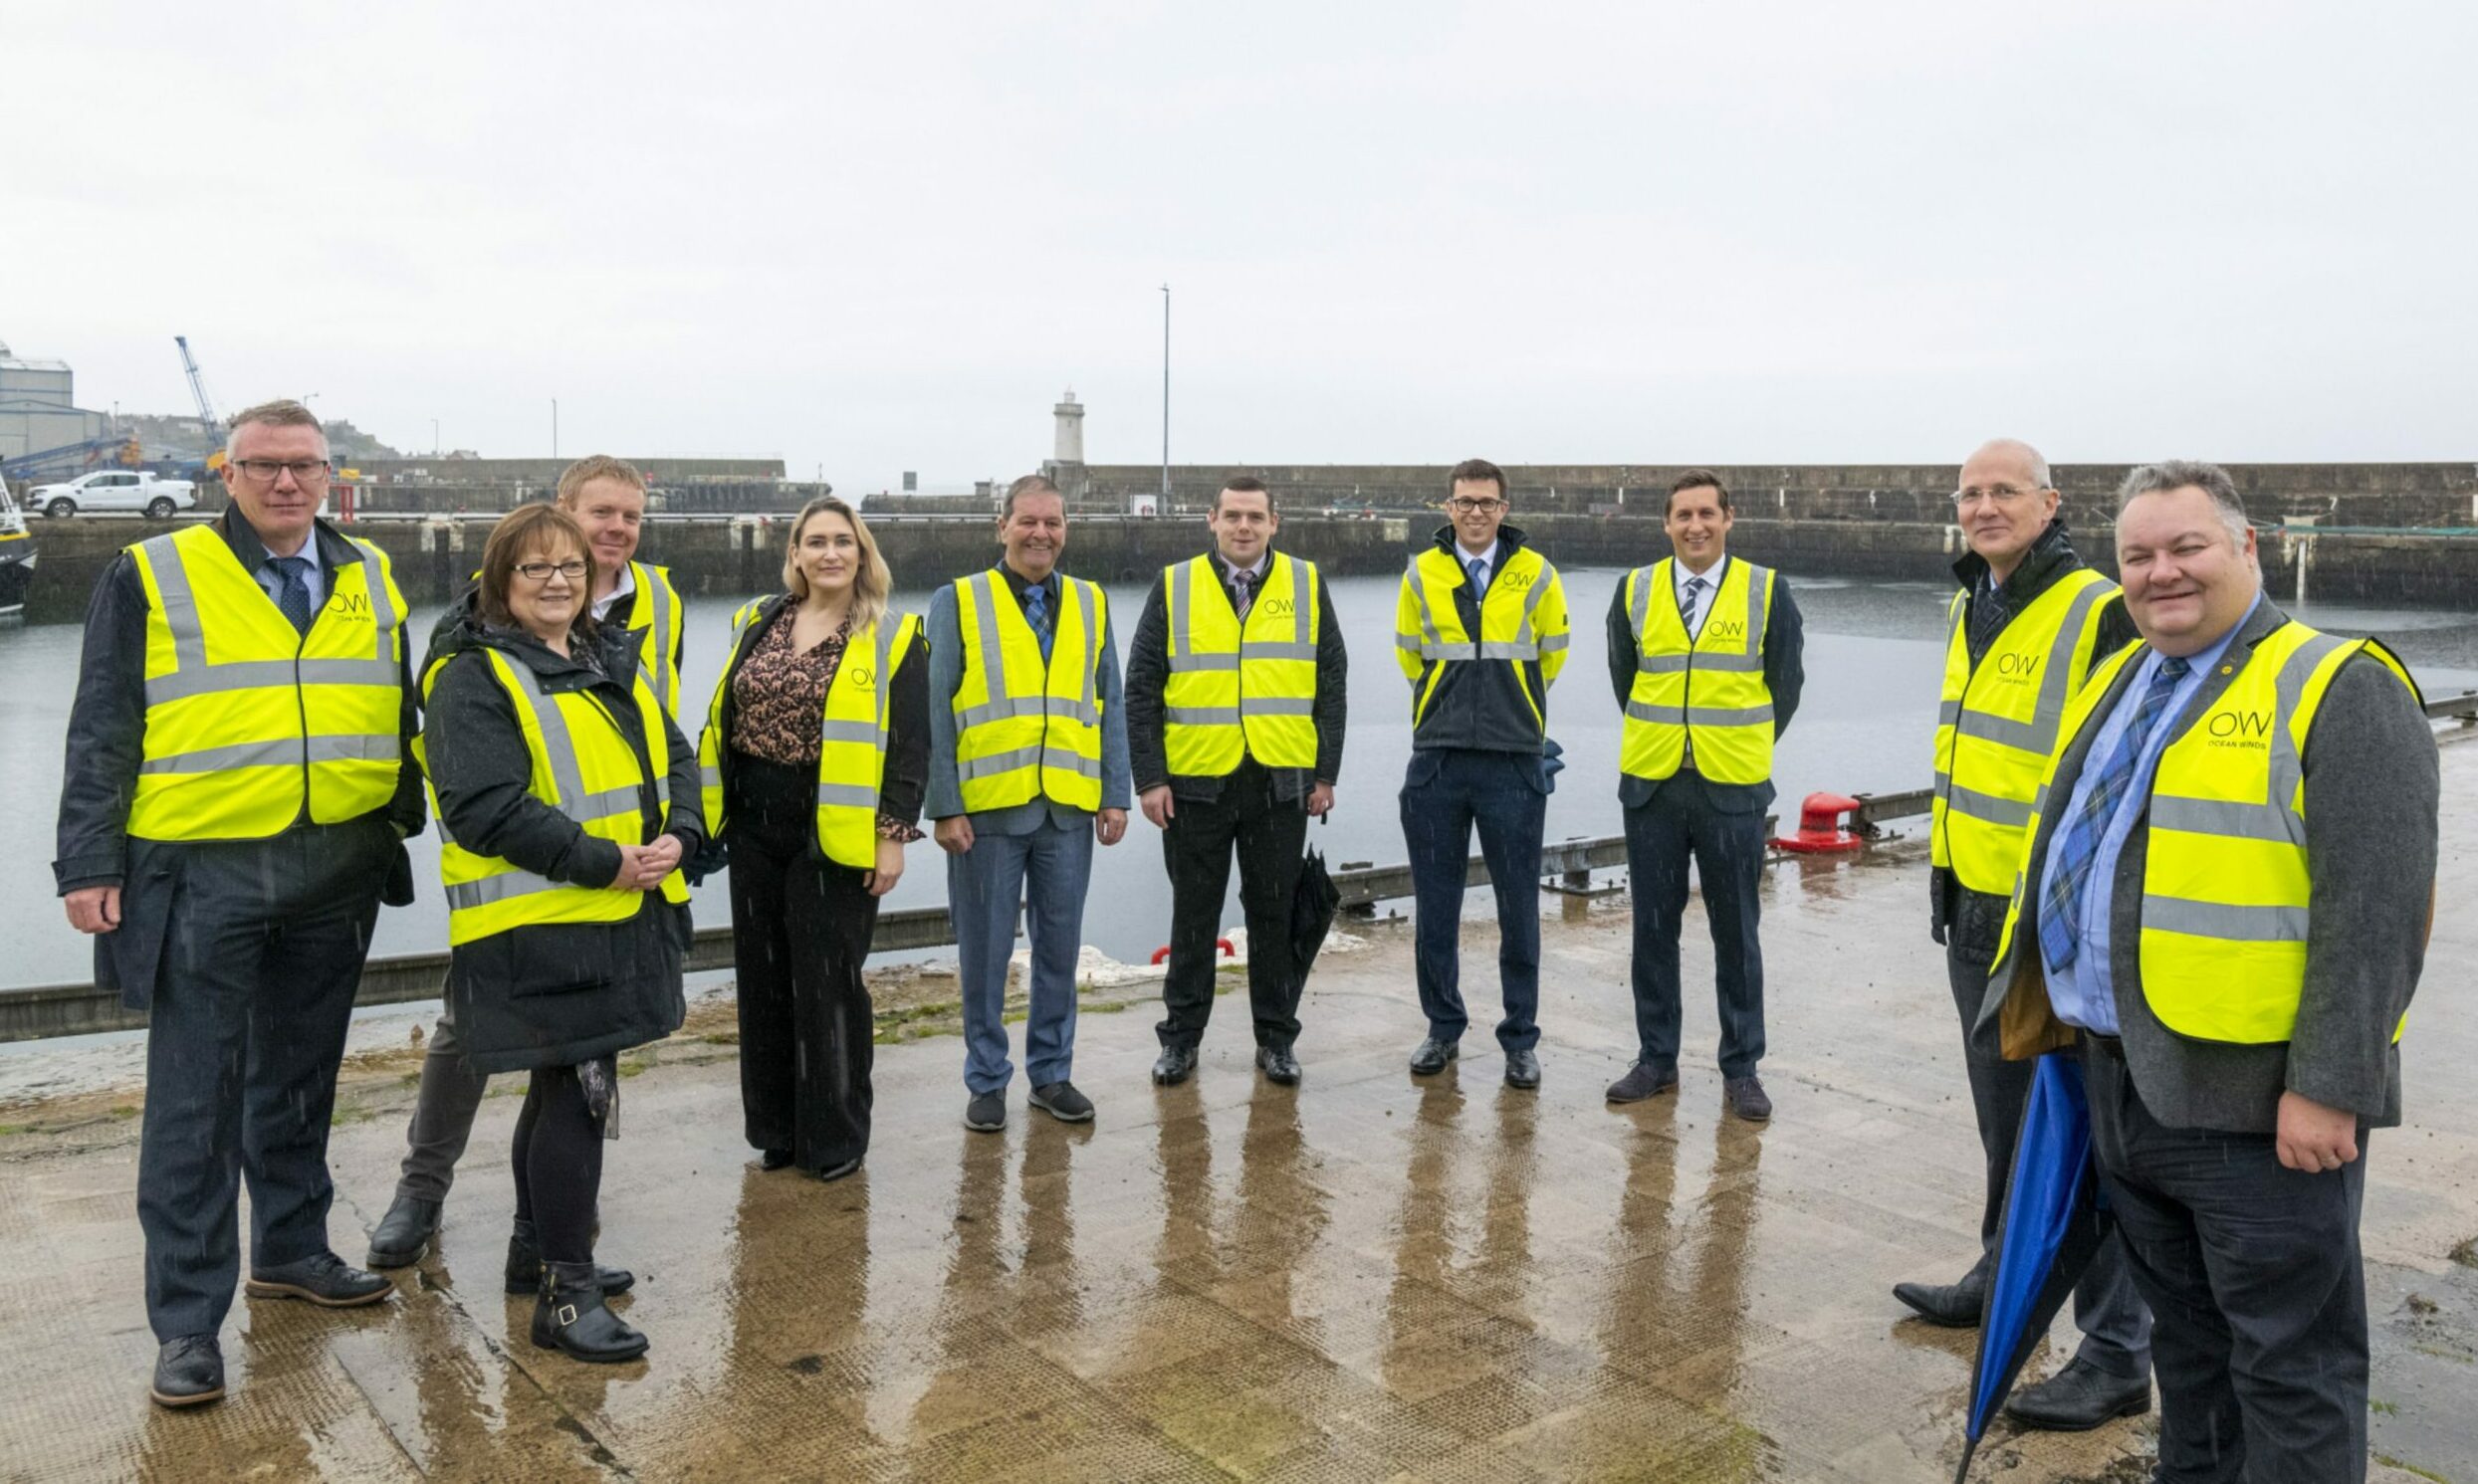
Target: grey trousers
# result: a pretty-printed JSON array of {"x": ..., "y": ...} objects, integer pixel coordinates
[
  {"x": 443, "y": 1114},
  {"x": 2108, "y": 1309}
]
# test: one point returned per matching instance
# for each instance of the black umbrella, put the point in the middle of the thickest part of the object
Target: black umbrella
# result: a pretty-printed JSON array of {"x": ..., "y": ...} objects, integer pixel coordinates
[
  {"x": 2054, "y": 1223},
  {"x": 1312, "y": 907}
]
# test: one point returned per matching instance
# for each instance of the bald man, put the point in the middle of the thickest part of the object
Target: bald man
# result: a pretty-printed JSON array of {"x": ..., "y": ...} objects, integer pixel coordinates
[{"x": 2024, "y": 632}]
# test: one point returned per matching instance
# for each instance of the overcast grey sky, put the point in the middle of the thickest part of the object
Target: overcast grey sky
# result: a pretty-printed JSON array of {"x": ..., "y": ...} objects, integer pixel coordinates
[{"x": 885, "y": 237}]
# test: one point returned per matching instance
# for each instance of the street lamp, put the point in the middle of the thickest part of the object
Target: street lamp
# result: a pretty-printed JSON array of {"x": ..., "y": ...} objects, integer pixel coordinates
[
  {"x": 555, "y": 427},
  {"x": 435, "y": 437},
  {"x": 1166, "y": 399}
]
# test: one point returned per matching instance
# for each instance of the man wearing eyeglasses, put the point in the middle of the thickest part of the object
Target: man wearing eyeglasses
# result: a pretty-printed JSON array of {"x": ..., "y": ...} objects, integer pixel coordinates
[
  {"x": 1481, "y": 632},
  {"x": 2024, "y": 632},
  {"x": 240, "y": 746},
  {"x": 607, "y": 498}
]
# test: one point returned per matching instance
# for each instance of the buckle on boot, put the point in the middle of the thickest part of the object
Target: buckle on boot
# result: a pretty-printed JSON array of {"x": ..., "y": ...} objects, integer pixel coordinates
[{"x": 565, "y": 1315}]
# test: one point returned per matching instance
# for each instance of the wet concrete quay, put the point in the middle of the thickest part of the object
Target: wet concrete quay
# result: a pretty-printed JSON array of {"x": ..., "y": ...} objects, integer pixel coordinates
[{"x": 1369, "y": 1277}]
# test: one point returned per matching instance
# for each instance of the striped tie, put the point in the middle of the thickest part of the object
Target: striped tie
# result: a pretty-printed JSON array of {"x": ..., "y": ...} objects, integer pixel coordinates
[{"x": 2078, "y": 848}]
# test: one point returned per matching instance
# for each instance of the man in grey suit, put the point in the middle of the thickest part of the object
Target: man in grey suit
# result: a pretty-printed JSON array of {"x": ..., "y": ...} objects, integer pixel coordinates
[
  {"x": 2226, "y": 901},
  {"x": 1027, "y": 767}
]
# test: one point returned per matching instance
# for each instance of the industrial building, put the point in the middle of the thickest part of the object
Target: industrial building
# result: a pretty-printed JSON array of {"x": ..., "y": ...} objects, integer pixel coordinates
[{"x": 39, "y": 408}]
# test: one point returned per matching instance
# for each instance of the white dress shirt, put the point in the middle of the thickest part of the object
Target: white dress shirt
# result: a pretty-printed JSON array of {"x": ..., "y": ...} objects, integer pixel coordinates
[
  {"x": 627, "y": 584},
  {"x": 1692, "y": 603}
]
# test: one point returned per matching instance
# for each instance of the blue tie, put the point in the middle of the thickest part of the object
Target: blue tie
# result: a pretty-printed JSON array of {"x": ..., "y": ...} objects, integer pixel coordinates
[
  {"x": 2060, "y": 911},
  {"x": 1036, "y": 613},
  {"x": 1479, "y": 578},
  {"x": 292, "y": 590}
]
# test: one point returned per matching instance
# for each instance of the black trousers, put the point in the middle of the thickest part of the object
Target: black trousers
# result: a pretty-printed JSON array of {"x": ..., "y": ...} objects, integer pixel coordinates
[
  {"x": 556, "y": 1158},
  {"x": 260, "y": 963},
  {"x": 2115, "y": 1328},
  {"x": 2253, "y": 1276},
  {"x": 1268, "y": 834},
  {"x": 800, "y": 927},
  {"x": 1676, "y": 825}
]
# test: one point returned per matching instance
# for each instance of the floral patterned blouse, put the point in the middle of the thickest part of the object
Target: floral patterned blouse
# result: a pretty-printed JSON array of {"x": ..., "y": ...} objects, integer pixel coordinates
[{"x": 779, "y": 702}]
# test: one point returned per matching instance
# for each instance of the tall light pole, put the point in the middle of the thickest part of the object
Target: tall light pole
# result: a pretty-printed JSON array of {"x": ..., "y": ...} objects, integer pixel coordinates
[
  {"x": 1166, "y": 399},
  {"x": 555, "y": 427},
  {"x": 435, "y": 437}
]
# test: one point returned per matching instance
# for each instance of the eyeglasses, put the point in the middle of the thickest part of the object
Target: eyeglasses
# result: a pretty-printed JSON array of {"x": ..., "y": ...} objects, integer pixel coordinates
[
  {"x": 1462, "y": 506},
  {"x": 540, "y": 571},
  {"x": 2000, "y": 493},
  {"x": 263, "y": 471}
]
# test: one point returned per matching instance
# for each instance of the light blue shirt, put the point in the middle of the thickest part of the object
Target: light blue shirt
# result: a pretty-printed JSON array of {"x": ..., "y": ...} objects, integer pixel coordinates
[
  {"x": 1488, "y": 565},
  {"x": 2084, "y": 993},
  {"x": 314, "y": 576}
]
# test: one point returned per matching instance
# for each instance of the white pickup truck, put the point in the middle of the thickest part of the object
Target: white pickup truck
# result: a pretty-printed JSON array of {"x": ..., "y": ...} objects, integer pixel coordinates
[{"x": 115, "y": 490}]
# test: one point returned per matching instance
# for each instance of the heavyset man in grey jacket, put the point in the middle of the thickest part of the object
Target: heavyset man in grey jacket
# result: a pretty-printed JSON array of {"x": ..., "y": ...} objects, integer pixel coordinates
[{"x": 2226, "y": 901}]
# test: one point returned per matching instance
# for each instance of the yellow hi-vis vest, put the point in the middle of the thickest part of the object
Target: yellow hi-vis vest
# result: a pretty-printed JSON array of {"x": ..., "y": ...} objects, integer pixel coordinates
[
  {"x": 251, "y": 723},
  {"x": 655, "y": 617},
  {"x": 851, "y": 753},
  {"x": 2225, "y": 884},
  {"x": 1239, "y": 689},
  {"x": 1026, "y": 730},
  {"x": 1522, "y": 617},
  {"x": 1709, "y": 689},
  {"x": 584, "y": 767},
  {"x": 1998, "y": 724}
]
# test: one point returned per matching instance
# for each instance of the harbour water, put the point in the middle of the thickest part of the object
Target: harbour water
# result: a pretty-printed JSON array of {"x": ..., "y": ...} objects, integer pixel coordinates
[{"x": 1872, "y": 654}]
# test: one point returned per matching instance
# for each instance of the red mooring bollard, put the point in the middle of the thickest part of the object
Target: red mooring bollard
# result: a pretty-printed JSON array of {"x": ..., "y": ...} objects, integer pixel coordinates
[{"x": 1820, "y": 829}]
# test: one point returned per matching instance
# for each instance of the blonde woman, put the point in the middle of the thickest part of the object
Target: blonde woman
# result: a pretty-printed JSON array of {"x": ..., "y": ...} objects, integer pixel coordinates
[{"x": 815, "y": 755}]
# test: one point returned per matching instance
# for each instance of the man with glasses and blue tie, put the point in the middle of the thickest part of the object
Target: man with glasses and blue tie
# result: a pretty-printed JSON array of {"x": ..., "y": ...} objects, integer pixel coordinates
[
  {"x": 1707, "y": 654},
  {"x": 1481, "y": 632},
  {"x": 2225, "y": 900},
  {"x": 240, "y": 749}
]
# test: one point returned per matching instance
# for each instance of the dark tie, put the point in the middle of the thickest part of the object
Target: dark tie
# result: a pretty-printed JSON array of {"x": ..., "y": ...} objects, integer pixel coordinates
[
  {"x": 1695, "y": 605},
  {"x": 2078, "y": 845},
  {"x": 1480, "y": 577},
  {"x": 1243, "y": 593},
  {"x": 1036, "y": 613},
  {"x": 292, "y": 591}
]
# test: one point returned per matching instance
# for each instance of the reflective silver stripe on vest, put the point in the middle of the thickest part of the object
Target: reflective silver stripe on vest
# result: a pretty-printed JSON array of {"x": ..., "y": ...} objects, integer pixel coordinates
[
  {"x": 846, "y": 796},
  {"x": 872, "y": 733},
  {"x": 2039, "y": 735},
  {"x": 2224, "y": 920},
  {"x": 2227, "y": 818},
  {"x": 1947, "y": 713},
  {"x": 1699, "y": 716},
  {"x": 565, "y": 775},
  {"x": 1201, "y": 716},
  {"x": 1066, "y": 762},
  {"x": 1278, "y": 706},
  {"x": 499, "y": 888},
  {"x": 287, "y": 752},
  {"x": 848, "y": 731},
  {"x": 193, "y": 676},
  {"x": 1174, "y": 586},
  {"x": 2274, "y": 818},
  {"x": 710, "y": 778},
  {"x": 968, "y": 768},
  {"x": 663, "y": 619},
  {"x": 1982, "y": 806}
]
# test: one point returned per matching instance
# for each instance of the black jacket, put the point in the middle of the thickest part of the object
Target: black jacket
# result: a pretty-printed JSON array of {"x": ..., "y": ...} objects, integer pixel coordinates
[
  {"x": 907, "y": 724},
  {"x": 1979, "y": 917},
  {"x": 2371, "y": 800},
  {"x": 1148, "y": 671},
  {"x": 107, "y": 721},
  {"x": 1480, "y": 705},
  {"x": 552, "y": 995},
  {"x": 1785, "y": 677}
]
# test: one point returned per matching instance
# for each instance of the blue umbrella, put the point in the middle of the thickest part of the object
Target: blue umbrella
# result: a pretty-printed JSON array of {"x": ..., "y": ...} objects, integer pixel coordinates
[{"x": 2053, "y": 1222}]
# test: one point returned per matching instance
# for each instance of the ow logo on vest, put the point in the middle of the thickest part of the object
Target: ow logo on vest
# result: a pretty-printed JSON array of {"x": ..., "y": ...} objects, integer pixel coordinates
[
  {"x": 2021, "y": 666},
  {"x": 1515, "y": 580},
  {"x": 1731, "y": 630},
  {"x": 864, "y": 677},
  {"x": 353, "y": 605},
  {"x": 2240, "y": 728},
  {"x": 1281, "y": 606}
]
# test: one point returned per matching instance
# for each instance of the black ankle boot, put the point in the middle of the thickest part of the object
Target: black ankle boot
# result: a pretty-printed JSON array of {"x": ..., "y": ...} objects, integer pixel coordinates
[
  {"x": 569, "y": 1316},
  {"x": 525, "y": 1265}
]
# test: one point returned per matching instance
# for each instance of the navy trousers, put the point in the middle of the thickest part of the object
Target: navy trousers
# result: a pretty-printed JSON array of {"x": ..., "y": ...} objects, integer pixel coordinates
[
  {"x": 1676, "y": 825},
  {"x": 261, "y": 959},
  {"x": 2253, "y": 1276},
  {"x": 1446, "y": 794},
  {"x": 1047, "y": 870}
]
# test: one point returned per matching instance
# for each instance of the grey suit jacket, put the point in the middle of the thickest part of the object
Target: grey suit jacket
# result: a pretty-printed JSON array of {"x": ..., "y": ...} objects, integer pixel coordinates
[{"x": 2371, "y": 794}]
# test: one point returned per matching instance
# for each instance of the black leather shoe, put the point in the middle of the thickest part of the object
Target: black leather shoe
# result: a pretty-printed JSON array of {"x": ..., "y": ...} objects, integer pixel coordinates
[
  {"x": 525, "y": 1265},
  {"x": 1643, "y": 1079},
  {"x": 2080, "y": 1397},
  {"x": 1522, "y": 1068},
  {"x": 404, "y": 1235},
  {"x": 323, "y": 1279},
  {"x": 774, "y": 1159},
  {"x": 189, "y": 1372},
  {"x": 1951, "y": 1306},
  {"x": 1174, "y": 1065},
  {"x": 1747, "y": 1097},
  {"x": 1432, "y": 1055},
  {"x": 1279, "y": 1065},
  {"x": 569, "y": 1316},
  {"x": 832, "y": 1173}
]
